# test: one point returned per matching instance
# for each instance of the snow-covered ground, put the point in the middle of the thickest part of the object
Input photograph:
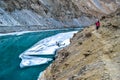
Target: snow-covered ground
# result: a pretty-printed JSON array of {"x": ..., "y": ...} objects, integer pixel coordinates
[{"x": 47, "y": 46}]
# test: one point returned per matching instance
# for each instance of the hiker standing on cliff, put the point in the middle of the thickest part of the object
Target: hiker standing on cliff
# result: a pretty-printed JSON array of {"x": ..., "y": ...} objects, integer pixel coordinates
[{"x": 97, "y": 24}]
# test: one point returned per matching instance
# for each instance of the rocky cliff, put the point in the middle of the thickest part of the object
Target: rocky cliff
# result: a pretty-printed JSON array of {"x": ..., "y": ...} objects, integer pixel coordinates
[
  {"x": 53, "y": 13},
  {"x": 92, "y": 55},
  {"x": 63, "y": 8}
]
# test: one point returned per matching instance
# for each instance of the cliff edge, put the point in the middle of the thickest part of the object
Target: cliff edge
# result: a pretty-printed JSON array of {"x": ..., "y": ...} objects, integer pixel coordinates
[{"x": 92, "y": 55}]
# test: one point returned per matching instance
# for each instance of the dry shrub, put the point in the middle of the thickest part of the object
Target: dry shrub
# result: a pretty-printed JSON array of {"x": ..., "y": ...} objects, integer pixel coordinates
[
  {"x": 80, "y": 43},
  {"x": 115, "y": 27},
  {"x": 88, "y": 35}
]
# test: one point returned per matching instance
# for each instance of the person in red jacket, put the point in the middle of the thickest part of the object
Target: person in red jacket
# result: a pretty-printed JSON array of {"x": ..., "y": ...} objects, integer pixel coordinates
[{"x": 97, "y": 24}]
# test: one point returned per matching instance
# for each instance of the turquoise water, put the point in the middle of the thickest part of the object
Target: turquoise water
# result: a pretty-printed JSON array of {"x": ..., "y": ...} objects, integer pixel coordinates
[{"x": 11, "y": 46}]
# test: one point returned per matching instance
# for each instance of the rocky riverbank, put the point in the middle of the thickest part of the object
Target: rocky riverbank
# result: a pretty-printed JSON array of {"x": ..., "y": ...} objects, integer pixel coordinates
[{"x": 92, "y": 55}]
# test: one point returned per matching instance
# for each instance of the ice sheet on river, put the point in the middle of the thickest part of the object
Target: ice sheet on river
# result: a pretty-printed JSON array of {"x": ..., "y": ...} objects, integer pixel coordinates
[
  {"x": 31, "y": 61},
  {"x": 45, "y": 47}
]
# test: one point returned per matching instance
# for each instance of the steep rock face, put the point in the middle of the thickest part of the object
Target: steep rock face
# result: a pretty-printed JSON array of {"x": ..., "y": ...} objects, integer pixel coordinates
[
  {"x": 61, "y": 10},
  {"x": 92, "y": 55}
]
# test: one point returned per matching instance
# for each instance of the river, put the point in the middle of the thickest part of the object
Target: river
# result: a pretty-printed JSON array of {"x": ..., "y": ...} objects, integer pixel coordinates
[{"x": 11, "y": 47}]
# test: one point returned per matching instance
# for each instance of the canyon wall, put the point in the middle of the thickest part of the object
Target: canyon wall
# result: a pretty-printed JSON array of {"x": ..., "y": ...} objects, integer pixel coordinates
[
  {"x": 54, "y": 13},
  {"x": 63, "y": 8}
]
